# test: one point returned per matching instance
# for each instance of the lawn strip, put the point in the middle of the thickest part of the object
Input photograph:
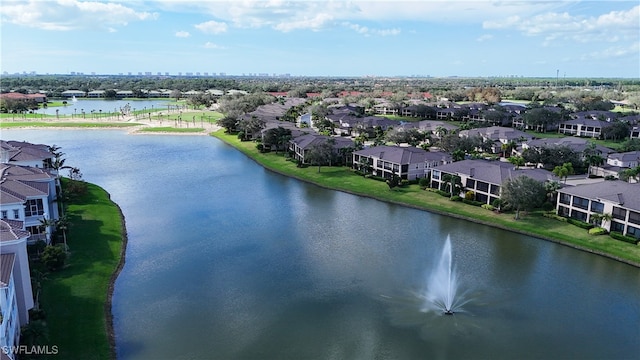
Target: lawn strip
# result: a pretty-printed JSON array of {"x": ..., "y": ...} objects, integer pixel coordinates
[{"x": 533, "y": 224}]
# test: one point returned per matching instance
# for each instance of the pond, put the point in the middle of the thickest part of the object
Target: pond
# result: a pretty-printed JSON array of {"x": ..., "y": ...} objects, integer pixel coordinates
[
  {"x": 75, "y": 108},
  {"x": 227, "y": 260}
]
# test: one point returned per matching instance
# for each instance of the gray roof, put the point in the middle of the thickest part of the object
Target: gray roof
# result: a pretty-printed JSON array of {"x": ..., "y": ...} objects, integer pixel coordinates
[
  {"x": 626, "y": 156},
  {"x": 24, "y": 151},
  {"x": 395, "y": 154},
  {"x": 494, "y": 172},
  {"x": 618, "y": 192},
  {"x": 574, "y": 143},
  {"x": 307, "y": 140},
  {"x": 497, "y": 133}
]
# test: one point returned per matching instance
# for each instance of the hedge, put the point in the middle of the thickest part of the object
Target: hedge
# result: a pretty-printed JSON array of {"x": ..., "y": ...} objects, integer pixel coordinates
[
  {"x": 618, "y": 236},
  {"x": 473, "y": 202},
  {"x": 580, "y": 224}
]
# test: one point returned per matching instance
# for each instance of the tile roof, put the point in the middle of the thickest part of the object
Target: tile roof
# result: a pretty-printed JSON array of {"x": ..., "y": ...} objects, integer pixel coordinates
[
  {"x": 11, "y": 189},
  {"x": 12, "y": 230},
  {"x": 6, "y": 268}
]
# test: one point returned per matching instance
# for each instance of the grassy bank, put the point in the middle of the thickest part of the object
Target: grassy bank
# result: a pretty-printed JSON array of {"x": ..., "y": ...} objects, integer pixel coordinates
[
  {"x": 55, "y": 124},
  {"x": 167, "y": 129},
  {"x": 76, "y": 298},
  {"x": 344, "y": 179}
]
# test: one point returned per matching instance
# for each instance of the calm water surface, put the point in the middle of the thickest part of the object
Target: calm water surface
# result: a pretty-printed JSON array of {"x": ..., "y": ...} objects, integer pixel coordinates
[{"x": 229, "y": 261}]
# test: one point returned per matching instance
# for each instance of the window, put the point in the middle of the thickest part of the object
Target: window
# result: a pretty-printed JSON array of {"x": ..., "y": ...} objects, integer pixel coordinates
[
  {"x": 4, "y": 214},
  {"x": 495, "y": 189},
  {"x": 435, "y": 174},
  {"x": 579, "y": 215},
  {"x": 616, "y": 226},
  {"x": 581, "y": 203},
  {"x": 619, "y": 213},
  {"x": 633, "y": 231},
  {"x": 565, "y": 198},
  {"x": 634, "y": 217},
  {"x": 482, "y": 186},
  {"x": 34, "y": 207},
  {"x": 597, "y": 207},
  {"x": 16, "y": 214},
  {"x": 470, "y": 183},
  {"x": 563, "y": 211}
]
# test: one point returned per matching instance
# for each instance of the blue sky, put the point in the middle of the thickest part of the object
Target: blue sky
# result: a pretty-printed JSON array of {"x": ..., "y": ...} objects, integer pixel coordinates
[{"x": 323, "y": 38}]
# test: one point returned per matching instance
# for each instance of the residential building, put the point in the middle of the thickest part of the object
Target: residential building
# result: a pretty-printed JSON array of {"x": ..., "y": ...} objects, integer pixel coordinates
[
  {"x": 587, "y": 123},
  {"x": 73, "y": 93},
  {"x": 300, "y": 145},
  {"x": 13, "y": 240},
  {"x": 617, "y": 198},
  {"x": 408, "y": 163},
  {"x": 500, "y": 135},
  {"x": 615, "y": 163},
  {"x": 484, "y": 178},
  {"x": 9, "y": 321}
]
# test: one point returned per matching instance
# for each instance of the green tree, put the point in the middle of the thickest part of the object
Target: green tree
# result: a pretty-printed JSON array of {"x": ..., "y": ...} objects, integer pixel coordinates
[
  {"x": 523, "y": 193},
  {"x": 319, "y": 153},
  {"x": 54, "y": 257},
  {"x": 563, "y": 171}
]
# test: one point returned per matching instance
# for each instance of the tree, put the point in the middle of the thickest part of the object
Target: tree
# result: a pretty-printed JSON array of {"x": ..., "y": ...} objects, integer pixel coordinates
[
  {"x": 250, "y": 126},
  {"x": 53, "y": 257},
  {"x": 393, "y": 182},
  {"x": 616, "y": 130},
  {"x": 563, "y": 171},
  {"x": 523, "y": 193},
  {"x": 592, "y": 156},
  {"x": 320, "y": 153},
  {"x": 229, "y": 123},
  {"x": 517, "y": 161}
]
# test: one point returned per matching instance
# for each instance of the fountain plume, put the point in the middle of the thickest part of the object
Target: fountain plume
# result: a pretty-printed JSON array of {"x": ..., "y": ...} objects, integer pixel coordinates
[{"x": 442, "y": 285}]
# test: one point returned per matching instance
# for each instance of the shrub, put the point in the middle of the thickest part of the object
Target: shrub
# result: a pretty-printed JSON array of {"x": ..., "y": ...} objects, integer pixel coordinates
[
  {"x": 404, "y": 183},
  {"x": 554, "y": 216},
  {"x": 472, "y": 202},
  {"x": 456, "y": 198},
  {"x": 488, "y": 207},
  {"x": 618, "y": 236},
  {"x": 53, "y": 257},
  {"x": 580, "y": 224},
  {"x": 469, "y": 195},
  {"x": 424, "y": 183},
  {"x": 597, "y": 231},
  {"x": 443, "y": 193},
  {"x": 547, "y": 206}
]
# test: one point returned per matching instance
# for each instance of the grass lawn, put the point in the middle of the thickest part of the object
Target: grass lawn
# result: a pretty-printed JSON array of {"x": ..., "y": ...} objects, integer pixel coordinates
[
  {"x": 75, "y": 298},
  {"x": 344, "y": 179},
  {"x": 168, "y": 129},
  {"x": 22, "y": 124}
]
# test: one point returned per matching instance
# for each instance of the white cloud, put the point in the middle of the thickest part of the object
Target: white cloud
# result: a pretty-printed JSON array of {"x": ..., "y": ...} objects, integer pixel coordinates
[
  {"x": 614, "y": 52},
  {"x": 484, "y": 37},
  {"x": 210, "y": 45},
  {"x": 183, "y": 34},
  {"x": 614, "y": 26},
  {"x": 64, "y": 15},
  {"x": 212, "y": 27},
  {"x": 366, "y": 31},
  {"x": 316, "y": 15}
]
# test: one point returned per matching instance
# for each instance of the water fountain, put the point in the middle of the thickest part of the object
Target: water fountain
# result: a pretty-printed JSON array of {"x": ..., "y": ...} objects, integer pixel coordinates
[{"x": 441, "y": 293}]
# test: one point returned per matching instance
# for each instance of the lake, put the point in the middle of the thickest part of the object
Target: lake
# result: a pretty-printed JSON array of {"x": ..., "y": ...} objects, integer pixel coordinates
[
  {"x": 227, "y": 260},
  {"x": 76, "y": 108}
]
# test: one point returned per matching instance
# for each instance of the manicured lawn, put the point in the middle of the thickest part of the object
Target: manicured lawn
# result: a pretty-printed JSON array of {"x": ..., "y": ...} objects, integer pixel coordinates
[
  {"x": 22, "y": 124},
  {"x": 74, "y": 298},
  {"x": 344, "y": 179}
]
